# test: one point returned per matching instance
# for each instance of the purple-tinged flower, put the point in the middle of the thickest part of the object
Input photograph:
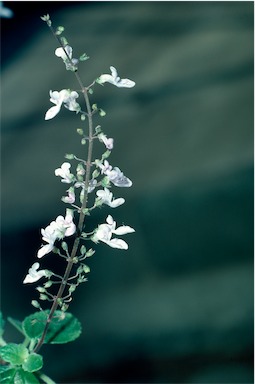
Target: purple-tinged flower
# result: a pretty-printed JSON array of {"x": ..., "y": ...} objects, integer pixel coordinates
[
  {"x": 71, "y": 196},
  {"x": 107, "y": 142},
  {"x": 115, "y": 175},
  {"x": 64, "y": 172}
]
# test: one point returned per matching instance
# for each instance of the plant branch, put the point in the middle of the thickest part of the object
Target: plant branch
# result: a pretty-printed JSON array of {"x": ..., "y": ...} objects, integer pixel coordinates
[{"x": 83, "y": 208}]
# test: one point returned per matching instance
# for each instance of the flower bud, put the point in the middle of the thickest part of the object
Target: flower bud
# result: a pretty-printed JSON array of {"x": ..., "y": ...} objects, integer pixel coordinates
[{"x": 35, "y": 304}]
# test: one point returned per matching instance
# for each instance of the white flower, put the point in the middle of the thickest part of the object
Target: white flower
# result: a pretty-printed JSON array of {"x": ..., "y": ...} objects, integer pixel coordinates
[
  {"x": 104, "y": 233},
  {"x": 49, "y": 236},
  {"x": 66, "y": 56},
  {"x": 115, "y": 175},
  {"x": 34, "y": 275},
  {"x": 71, "y": 196},
  {"x": 57, "y": 230},
  {"x": 107, "y": 142},
  {"x": 115, "y": 80},
  {"x": 64, "y": 172},
  {"x": 64, "y": 226},
  {"x": 66, "y": 97},
  {"x": 106, "y": 197}
]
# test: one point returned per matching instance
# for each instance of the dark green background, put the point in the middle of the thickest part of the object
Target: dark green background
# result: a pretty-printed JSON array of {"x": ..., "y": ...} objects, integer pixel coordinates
[{"x": 177, "y": 307}]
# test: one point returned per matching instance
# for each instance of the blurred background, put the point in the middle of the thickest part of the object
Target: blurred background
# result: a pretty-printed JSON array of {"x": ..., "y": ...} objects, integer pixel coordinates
[{"x": 177, "y": 307}]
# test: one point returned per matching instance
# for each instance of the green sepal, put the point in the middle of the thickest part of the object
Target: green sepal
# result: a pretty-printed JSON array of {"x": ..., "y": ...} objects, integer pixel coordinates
[
  {"x": 64, "y": 327},
  {"x": 59, "y": 30},
  {"x": 106, "y": 154},
  {"x": 69, "y": 156},
  {"x": 83, "y": 57},
  {"x": 14, "y": 354},
  {"x": 64, "y": 41},
  {"x": 33, "y": 363},
  {"x": 105, "y": 182}
]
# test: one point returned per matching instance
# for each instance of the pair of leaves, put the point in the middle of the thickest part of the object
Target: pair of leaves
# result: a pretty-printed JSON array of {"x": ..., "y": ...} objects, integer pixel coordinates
[
  {"x": 18, "y": 354},
  {"x": 64, "y": 327},
  {"x": 22, "y": 363}
]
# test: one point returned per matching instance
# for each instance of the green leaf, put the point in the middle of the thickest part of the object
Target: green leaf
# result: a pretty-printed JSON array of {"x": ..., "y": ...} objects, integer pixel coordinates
[
  {"x": 63, "y": 328},
  {"x": 7, "y": 374},
  {"x": 23, "y": 377},
  {"x": 33, "y": 363},
  {"x": 14, "y": 353},
  {"x": 16, "y": 376}
]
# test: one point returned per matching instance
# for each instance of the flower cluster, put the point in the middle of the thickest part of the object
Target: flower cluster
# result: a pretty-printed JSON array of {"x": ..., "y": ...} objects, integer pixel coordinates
[
  {"x": 90, "y": 175},
  {"x": 57, "y": 230}
]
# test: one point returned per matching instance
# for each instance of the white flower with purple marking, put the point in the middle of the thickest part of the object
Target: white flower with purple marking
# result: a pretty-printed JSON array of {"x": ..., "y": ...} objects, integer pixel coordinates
[{"x": 115, "y": 175}]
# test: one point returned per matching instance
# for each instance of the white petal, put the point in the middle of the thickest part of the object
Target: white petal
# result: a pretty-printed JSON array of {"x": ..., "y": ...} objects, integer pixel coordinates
[
  {"x": 114, "y": 72},
  {"x": 117, "y": 202},
  {"x": 52, "y": 112},
  {"x": 117, "y": 243},
  {"x": 123, "y": 230},
  {"x": 70, "y": 230},
  {"x": 106, "y": 79},
  {"x": 47, "y": 248},
  {"x": 110, "y": 220},
  {"x": 125, "y": 83}
]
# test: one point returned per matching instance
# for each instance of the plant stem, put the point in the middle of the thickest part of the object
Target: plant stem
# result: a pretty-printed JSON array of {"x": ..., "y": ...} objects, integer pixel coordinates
[
  {"x": 82, "y": 214},
  {"x": 46, "y": 379}
]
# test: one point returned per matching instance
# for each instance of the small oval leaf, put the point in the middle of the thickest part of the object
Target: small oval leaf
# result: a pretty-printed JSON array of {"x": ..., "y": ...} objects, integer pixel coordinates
[{"x": 33, "y": 363}]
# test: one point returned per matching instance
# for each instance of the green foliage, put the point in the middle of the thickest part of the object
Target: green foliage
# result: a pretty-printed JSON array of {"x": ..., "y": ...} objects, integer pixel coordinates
[
  {"x": 63, "y": 328},
  {"x": 33, "y": 363},
  {"x": 18, "y": 354},
  {"x": 9, "y": 375},
  {"x": 14, "y": 354}
]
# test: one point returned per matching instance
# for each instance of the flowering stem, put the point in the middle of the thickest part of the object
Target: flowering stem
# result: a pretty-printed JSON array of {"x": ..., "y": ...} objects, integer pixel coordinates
[{"x": 82, "y": 214}]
